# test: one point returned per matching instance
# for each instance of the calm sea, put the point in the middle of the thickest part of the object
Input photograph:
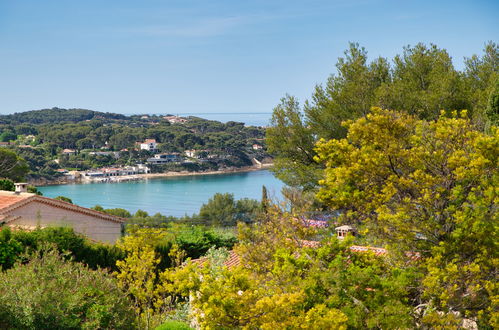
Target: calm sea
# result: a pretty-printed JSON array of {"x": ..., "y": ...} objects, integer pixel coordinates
[
  {"x": 249, "y": 118},
  {"x": 175, "y": 196}
]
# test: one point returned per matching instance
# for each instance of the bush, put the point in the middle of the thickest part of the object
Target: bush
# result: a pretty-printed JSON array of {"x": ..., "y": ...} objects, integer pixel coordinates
[
  {"x": 50, "y": 292},
  {"x": 173, "y": 325},
  {"x": 9, "y": 249},
  {"x": 7, "y": 184},
  {"x": 94, "y": 255}
]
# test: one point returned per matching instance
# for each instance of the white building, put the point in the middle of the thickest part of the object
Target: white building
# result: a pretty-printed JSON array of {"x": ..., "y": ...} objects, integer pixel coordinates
[
  {"x": 149, "y": 145},
  {"x": 164, "y": 158}
]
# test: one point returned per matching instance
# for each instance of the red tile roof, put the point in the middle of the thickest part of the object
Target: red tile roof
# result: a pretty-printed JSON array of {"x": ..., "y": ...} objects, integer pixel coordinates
[
  {"x": 9, "y": 200},
  {"x": 233, "y": 260}
]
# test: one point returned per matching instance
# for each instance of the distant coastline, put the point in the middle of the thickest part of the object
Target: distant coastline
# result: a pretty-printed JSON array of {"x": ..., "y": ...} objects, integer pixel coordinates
[{"x": 139, "y": 177}]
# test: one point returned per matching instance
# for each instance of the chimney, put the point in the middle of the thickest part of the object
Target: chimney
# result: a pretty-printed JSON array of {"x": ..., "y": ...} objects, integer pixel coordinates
[{"x": 21, "y": 187}]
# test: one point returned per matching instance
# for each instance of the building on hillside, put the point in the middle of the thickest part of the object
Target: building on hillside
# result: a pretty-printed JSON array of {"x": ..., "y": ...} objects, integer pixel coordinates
[
  {"x": 106, "y": 172},
  {"x": 6, "y": 144},
  {"x": 22, "y": 210},
  {"x": 68, "y": 152},
  {"x": 343, "y": 231},
  {"x": 164, "y": 158},
  {"x": 257, "y": 147},
  {"x": 115, "y": 154},
  {"x": 175, "y": 119},
  {"x": 149, "y": 145}
]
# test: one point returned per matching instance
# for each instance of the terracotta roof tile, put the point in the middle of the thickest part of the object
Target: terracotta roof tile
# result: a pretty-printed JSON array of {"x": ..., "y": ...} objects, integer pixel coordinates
[
  {"x": 9, "y": 200},
  {"x": 233, "y": 260}
]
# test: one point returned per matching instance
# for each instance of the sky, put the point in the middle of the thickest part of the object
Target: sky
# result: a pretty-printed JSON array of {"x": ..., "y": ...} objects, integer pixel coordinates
[{"x": 204, "y": 56}]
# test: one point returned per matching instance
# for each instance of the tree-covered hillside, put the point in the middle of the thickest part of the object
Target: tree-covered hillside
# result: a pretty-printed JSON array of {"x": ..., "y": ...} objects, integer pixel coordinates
[{"x": 56, "y": 115}]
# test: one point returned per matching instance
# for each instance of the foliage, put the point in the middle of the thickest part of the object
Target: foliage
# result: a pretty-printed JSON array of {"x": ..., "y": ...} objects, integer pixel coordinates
[
  {"x": 34, "y": 190},
  {"x": 218, "y": 145},
  {"x": 292, "y": 140},
  {"x": 11, "y": 165},
  {"x": 422, "y": 81},
  {"x": 64, "y": 199},
  {"x": 10, "y": 249},
  {"x": 55, "y": 115},
  {"x": 282, "y": 284},
  {"x": 173, "y": 325},
  {"x": 481, "y": 77},
  {"x": 428, "y": 187},
  {"x": 7, "y": 184},
  {"x": 492, "y": 110},
  {"x": 137, "y": 274},
  {"x": 50, "y": 292},
  {"x": 119, "y": 212},
  {"x": 222, "y": 210},
  {"x": 94, "y": 255}
]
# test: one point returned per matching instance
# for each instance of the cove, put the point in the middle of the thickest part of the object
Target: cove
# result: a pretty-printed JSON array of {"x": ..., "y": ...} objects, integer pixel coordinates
[{"x": 176, "y": 196}]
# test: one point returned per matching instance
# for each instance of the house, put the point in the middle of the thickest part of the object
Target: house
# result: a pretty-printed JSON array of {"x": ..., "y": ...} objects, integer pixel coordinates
[
  {"x": 257, "y": 147},
  {"x": 190, "y": 153},
  {"x": 164, "y": 158},
  {"x": 115, "y": 154},
  {"x": 343, "y": 231},
  {"x": 23, "y": 210},
  {"x": 175, "y": 119},
  {"x": 149, "y": 145},
  {"x": 68, "y": 152},
  {"x": 6, "y": 144},
  {"x": 234, "y": 260}
]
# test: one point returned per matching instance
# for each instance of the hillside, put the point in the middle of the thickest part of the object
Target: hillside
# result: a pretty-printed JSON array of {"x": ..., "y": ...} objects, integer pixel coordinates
[{"x": 57, "y": 115}]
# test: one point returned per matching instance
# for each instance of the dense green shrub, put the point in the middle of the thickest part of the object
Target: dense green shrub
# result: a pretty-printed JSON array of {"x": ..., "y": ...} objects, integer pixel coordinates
[
  {"x": 50, "y": 292},
  {"x": 7, "y": 184},
  {"x": 10, "y": 249},
  {"x": 94, "y": 255},
  {"x": 173, "y": 325}
]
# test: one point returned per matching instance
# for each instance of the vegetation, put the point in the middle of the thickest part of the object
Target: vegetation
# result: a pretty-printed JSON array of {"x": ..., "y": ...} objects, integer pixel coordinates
[
  {"x": 40, "y": 136},
  {"x": 425, "y": 187},
  {"x": 11, "y": 165},
  {"x": 419, "y": 184},
  {"x": 422, "y": 81},
  {"x": 50, "y": 292}
]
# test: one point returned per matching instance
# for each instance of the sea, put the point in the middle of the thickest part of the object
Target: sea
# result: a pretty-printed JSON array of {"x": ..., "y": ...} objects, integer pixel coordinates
[
  {"x": 248, "y": 118},
  {"x": 175, "y": 196}
]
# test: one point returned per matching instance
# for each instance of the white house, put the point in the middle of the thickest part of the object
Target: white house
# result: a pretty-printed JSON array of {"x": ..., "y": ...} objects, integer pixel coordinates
[{"x": 149, "y": 145}]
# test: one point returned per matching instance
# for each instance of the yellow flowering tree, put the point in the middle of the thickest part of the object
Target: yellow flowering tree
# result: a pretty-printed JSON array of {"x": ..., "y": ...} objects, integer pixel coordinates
[
  {"x": 138, "y": 273},
  {"x": 428, "y": 187}
]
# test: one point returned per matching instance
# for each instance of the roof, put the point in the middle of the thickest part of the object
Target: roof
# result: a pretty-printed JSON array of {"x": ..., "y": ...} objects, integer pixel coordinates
[
  {"x": 377, "y": 251},
  {"x": 233, "y": 260},
  {"x": 10, "y": 201},
  {"x": 345, "y": 227},
  {"x": 150, "y": 141}
]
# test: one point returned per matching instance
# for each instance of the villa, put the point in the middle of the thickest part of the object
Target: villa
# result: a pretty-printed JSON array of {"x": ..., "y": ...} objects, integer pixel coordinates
[{"x": 22, "y": 210}]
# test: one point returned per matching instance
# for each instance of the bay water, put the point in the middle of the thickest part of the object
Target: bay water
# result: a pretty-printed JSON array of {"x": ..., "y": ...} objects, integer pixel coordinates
[{"x": 176, "y": 196}]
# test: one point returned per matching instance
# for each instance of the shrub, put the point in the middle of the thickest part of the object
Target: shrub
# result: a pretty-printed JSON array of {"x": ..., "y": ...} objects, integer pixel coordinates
[
  {"x": 173, "y": 325},
  {"x": 94, "y": 255},
  {"x": 9, "y": 249},
  {"x": 7, "y": 184},
  {"x": 50, "y": 292}
]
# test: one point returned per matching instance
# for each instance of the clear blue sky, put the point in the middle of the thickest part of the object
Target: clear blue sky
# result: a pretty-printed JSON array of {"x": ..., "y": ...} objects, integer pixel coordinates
[{"x": 209, "y": 56}]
